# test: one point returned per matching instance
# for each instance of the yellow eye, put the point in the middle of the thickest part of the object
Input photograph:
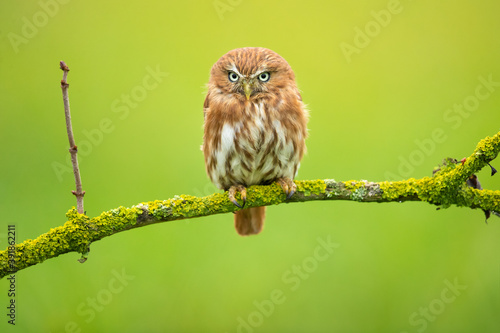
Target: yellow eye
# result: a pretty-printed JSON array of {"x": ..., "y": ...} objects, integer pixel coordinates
[
  {"x": 233, "y": 77},
  {"x": 264, "y": 77}
]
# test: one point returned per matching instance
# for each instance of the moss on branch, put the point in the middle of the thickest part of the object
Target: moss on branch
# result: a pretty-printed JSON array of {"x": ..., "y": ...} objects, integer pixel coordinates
[{"x": 445, "y": 188}]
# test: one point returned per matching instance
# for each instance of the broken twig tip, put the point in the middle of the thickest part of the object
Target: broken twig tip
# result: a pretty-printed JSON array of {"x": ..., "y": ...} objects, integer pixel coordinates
[
  {"x": 82, "y": 260},
  {"x": 63, "y": 66}
]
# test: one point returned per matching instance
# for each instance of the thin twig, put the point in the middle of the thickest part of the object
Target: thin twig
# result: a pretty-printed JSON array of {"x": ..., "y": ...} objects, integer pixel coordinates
[{"x": 73, "y": 150}]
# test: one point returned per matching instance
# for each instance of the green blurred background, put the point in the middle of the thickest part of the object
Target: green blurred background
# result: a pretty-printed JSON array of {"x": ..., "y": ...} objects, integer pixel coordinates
[{"x": 381, "y": 78}]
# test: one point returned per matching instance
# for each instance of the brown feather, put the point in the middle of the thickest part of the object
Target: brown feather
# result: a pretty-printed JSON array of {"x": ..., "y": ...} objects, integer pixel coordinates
[{"x": 249, "y": 221}]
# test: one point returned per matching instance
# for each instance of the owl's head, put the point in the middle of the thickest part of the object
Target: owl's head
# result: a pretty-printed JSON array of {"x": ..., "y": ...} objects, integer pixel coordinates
[{"x": 251, "y": 73}]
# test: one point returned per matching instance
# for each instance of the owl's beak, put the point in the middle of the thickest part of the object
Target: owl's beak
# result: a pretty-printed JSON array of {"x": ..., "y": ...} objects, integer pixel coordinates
[{"x": 247, "y": 89}]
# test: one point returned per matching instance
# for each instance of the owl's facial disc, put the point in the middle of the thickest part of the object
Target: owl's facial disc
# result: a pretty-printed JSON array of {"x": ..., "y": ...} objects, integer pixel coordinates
[{"x": 247, "y": 84}]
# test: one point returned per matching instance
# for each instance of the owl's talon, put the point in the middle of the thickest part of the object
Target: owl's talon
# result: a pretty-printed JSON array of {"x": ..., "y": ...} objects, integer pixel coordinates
[
  {"x": 236, "y": 203},
  {"x": 287, "y": 185},
  {"x": 243, "y": 192}
]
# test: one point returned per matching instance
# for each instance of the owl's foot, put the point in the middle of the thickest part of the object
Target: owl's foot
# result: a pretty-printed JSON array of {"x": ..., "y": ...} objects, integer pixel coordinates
[
  {"x": 243, "y": 192},
  {"x": 287, "y": 185}
]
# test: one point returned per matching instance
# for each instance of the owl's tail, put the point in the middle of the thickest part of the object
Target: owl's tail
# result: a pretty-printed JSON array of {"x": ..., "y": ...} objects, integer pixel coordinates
[{"x": 249, "y": 221}]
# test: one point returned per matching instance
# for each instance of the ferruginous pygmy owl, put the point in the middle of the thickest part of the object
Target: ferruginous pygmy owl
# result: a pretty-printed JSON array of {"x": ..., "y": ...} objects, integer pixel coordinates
[{"x": 255, "y": 128}]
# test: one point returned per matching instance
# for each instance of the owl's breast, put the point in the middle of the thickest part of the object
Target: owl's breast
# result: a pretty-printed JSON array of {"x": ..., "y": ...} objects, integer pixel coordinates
[{"x": 256, "y": 149}]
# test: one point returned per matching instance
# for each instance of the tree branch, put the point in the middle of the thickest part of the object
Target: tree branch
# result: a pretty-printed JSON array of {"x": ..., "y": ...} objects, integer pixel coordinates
[
  {"x": 79, "y": 193},
  {"x": 445, "y": 188}
]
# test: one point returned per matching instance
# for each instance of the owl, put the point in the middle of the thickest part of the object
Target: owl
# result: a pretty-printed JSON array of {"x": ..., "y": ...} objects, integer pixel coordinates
[{"x": 255, "y": 126}]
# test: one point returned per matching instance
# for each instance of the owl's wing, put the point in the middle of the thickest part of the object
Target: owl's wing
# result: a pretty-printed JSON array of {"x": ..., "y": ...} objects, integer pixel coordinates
[{"x": 206, "y": 106}]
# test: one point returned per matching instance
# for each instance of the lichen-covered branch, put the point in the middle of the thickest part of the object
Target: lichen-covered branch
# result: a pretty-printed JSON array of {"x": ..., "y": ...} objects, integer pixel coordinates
[{"x": 445, "y": 188}]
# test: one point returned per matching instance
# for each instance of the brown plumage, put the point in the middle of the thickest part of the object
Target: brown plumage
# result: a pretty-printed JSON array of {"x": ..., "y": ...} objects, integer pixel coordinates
[{"x": 255, "y": 127}]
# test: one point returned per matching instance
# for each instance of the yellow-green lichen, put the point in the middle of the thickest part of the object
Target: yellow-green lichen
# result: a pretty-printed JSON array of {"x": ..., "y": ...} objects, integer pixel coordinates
[
  {"x": 215, "y": 203},
  {"x": 184, "y": 206},
  {"x": 260, "y": 195},
  {"x": 353, "y": 185},
  {"x": 160, "y": 209},
  {"x": 112, "y": 221},
  {"x": 309, "y": 187},
  {"x": 399, "y": 189},
  {"x": 487, "y": 199}
]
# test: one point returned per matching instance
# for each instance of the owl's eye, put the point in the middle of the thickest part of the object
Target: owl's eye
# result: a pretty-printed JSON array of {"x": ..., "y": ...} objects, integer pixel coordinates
[
  {"x": 233, "y": 77},
  {"x": 264, "y": 77}
]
